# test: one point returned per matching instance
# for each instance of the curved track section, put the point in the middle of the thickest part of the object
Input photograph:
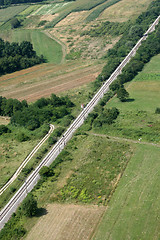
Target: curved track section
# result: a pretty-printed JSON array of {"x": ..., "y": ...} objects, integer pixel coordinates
[{"x": 51, "y": 156}]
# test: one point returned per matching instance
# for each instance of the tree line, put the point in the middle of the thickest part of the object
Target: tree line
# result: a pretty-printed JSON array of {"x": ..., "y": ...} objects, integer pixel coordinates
[
  {"x": 36, "y": 114},
  {"x": 9, "y": 2},
  {"x": 15, "y": 56}
]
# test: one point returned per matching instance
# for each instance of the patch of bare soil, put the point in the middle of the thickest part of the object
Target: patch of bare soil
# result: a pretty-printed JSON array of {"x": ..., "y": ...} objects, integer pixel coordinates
[
  {"x": 49, "y": 17},
  {"x": 41, "y": 81},
  {"x": 67, "y": 222}
]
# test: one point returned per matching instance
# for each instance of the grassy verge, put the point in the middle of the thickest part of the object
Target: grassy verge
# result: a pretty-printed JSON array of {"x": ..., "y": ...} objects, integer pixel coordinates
[{"x": 133, "y": 212}]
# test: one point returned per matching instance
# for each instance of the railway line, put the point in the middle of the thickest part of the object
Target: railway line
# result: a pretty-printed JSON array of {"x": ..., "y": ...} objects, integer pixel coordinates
[{"x": 58, "y": 147}]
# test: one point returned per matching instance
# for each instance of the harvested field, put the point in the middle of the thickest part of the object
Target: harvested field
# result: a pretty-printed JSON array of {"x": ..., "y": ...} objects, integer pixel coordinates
[
  {"x": 124, "y": 10},
  {"x": 42, "y": 80},
  {"x": 67, "y": 222}
]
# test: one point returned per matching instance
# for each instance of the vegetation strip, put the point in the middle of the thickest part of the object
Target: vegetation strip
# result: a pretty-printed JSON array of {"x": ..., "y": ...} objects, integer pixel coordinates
[{"x": 28, "y": 158}]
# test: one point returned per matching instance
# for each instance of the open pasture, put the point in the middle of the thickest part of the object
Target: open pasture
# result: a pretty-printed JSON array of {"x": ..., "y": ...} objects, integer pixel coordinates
[
  {"x": 28, "y": 11},
  {"x": 137, "y": 117},
  {"x": 134, "y": 210},
  {"x": 42, "y": 80},
  {"x": 10, "y": 12},
  {"x": 124, "y": 10},
  {"x": 50, "y": 8},
  {"x": 42, "y": 44},
  {"x": 66, "y": 222}
]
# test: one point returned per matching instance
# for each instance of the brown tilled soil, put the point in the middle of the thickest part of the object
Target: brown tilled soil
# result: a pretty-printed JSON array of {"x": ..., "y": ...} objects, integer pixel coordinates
[
  {"x": 67, "y": 222},
  {"x": 43, "y": 80}
]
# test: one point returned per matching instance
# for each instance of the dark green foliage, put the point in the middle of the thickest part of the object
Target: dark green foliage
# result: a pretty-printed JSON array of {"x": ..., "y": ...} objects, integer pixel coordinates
[
  {"x": 29, "y": 206},
  {"x": 46, "y": 172},
  {"x": 107, "y": 116},
  {"x": 43, "y": 110},
  {"x": 157, "y": 111},
  {"x": 14, "y": 56},
  {"x": 22, "y": 137},
  {"x": 9, "y": 2},
  {"x": 108, "y": 28},
  {"x": 41, "y": 23},
  {"x": 27, "y": 170},
  {"x": 13, "y": 229},
  {"x": 4, "y": 129},
  {"x": 122, "y": 94},
  {"x": 15, "y": 23}
]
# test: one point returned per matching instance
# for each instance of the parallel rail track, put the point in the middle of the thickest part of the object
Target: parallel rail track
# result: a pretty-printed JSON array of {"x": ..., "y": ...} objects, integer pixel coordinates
[{"x": 57, "y": 148}]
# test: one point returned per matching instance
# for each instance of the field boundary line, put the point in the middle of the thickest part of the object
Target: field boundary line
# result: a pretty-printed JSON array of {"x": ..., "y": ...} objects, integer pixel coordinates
[{"x": 114, "y": 138}]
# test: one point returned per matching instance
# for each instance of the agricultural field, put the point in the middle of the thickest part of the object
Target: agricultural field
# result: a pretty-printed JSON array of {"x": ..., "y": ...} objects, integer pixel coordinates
[
  {"x": 30, "y": 10},
  {"x": 133, "y": 212},
  {"x": 10, "y": 12},
  {"x": 124, "y": 10},
  {"x": 137, "y": 117},
  {"x": 42, "y": 44},
  {"x": 51, "y": 8},
  {"x": 69, "y": 222},
  {"x": 41, "y": 81}
]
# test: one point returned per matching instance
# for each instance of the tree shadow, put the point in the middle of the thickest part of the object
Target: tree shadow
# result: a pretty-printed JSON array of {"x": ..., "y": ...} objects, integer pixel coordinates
[
  {"x": 41, "y": 212},
  {"x": 130, "y": 100}
]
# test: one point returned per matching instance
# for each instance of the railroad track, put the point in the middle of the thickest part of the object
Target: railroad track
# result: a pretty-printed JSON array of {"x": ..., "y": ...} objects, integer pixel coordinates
[{"x": 58, "y": 147}]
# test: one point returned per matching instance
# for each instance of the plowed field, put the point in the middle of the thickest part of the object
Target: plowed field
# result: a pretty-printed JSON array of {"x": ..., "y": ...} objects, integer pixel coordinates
[
  {"x": 67, "y": 222},
  {"x": 43, "y": 80}
]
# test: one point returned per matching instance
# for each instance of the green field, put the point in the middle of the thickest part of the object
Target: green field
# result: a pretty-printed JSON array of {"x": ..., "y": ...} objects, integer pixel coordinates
[
  {"x": 137, "y": 117},
  {"x": 10, "y": 12},
  {"x": 51, "y": 8},
  {"x": 133, "y": 212},
  {"x": 42, "y": 44},
  {"x": 29, "y": 10}
]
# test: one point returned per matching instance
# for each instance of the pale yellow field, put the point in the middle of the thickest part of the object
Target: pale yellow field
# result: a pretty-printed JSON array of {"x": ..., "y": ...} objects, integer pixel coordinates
[
  {"x": 67, "y": 222},
  {"x": 124, "y": 10}
]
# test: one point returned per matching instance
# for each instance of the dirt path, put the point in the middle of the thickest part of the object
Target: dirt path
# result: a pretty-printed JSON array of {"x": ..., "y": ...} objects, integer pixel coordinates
[
  {"x": 124, "y": 139},
  {"x": 64, "y": 50}
]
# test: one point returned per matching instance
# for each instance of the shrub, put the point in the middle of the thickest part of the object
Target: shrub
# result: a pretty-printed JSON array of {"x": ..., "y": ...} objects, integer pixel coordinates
[{"x": 157, "y": 111}]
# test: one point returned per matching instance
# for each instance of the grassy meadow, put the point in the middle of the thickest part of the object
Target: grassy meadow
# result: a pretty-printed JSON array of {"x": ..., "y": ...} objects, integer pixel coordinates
[
  {"x": 10, "y": 12},
  {"x": 133, "y": 212},
  {"x": 137, "y": 117},
  {"x": 42, "y": 44}
]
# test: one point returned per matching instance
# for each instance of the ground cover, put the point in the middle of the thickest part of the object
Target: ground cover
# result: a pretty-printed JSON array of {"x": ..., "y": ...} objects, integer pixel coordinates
[
  {"x": 10, "y": 12},
  {"x": 133, "y": 212},
  {"x": 12, "y": 154},
  {"x": 88, "y": 171},
  {"x": 29, "y": 10},
  {"x": 41, "y": 81},
  {"x": 51, "y": 8},
  {"x": 42, "y": 44},
  {"x": 124, "y": 10},
  {"x": 137, "y": 117},
  {"x": 69, "y": 222}
]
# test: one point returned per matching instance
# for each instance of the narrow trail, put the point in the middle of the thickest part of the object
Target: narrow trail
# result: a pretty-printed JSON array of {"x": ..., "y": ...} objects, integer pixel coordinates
[
  {"x": 124, "y": 139},
  {"x": 26, "y": 160},
  {"x": 64, "y": 50}
]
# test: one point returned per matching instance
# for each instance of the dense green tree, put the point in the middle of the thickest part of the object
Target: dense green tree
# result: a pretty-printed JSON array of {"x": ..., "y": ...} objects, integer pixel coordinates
[
  {"x": 122, "y": 94},
  {"x": 15, "y": 23},
  {"x": 29, "y": 206}
]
